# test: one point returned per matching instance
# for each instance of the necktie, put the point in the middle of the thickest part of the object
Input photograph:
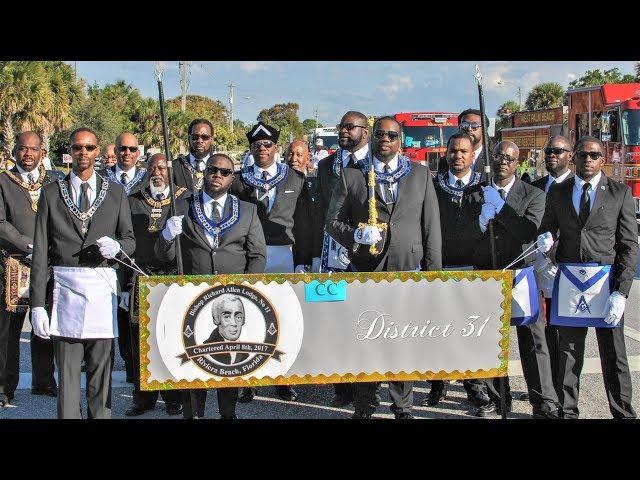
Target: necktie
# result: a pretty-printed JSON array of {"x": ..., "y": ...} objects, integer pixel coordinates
[
  {"x": 585, "y": 203},
  {"x": 123, "y": 178},
  {"x": 84, "y": 197},
  {"x": 160, "y": 197},
  {"x": 352, "y": 159},
  {"x": 459, "y": 184},
  {"x": 263, "y": 196},
  {"x": 30, "y": 177},
  {"x": 503, "y": 194},
  {"x": 215, "y": 213},
  {"x": 388, "y": 191}
]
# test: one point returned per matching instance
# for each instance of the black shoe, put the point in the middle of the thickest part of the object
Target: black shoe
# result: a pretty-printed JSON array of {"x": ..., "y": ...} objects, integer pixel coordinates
[
  {"x": 404, "y": 416},
  {"x": 340, "y": 401},
  {"x": 361, "y": 415},
  {"x": 136, "y": 409},
  {"x": 247, "y": 394},
  {"x": 129, "y": 379},
  {"x": 524, "y": 397},
  {"x": 229, "y": 417},
  {"x": 541, "y": 414},
  {"x": 50, "y": 391},
  {"x": 477, "y": 400},
  {"x": 434, "y": 398},
  {"x": 173, "y": 408},
  {"x": 484, "y": 410},
  {"x": 286, "y": 392},
  {"x": 4, "y": 400}
]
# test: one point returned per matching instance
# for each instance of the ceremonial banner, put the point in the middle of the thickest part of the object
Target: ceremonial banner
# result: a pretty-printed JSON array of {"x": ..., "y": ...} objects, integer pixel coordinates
[
  {"x": 525, "y": 304},
  {"x": 279, "y": 329}
]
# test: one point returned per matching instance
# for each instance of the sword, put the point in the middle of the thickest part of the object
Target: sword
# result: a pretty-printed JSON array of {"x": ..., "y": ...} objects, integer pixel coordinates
[{"x": 376, "y": 248}]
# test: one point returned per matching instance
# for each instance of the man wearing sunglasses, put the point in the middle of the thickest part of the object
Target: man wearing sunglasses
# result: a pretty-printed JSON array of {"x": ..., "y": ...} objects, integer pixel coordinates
[
  {"x": 189, "y": 171},
  {"x": 470, "y": 122},
  {"x": 83, "y": 223},
  {"x": 239, "y": 248},
  {"x": 275, "y": 189},
  {"x": 406, "y": 201},
  {"x": 593, "y": 219},
  {"x": 20, "y": 189},
  {"x": 516, "y": 208},
  {"x": 149, "y": 211}
]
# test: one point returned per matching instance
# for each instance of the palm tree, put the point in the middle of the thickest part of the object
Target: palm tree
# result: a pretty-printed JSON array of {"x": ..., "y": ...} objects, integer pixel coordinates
[
  {"x": 506, "y": 110},
  {"x": 545, "y": 95},
  {"x": 148, "y": 124},
  {"x": 13, "y": 96}
]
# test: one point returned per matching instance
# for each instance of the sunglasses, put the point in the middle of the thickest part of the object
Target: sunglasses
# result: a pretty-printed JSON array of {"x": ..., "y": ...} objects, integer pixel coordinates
[
  {"x": 200, "y": 136},
  {"x": 88, "y": 148},
  {"x": 592, "y": 155},
  {"x": 262, "y": 143},
  {"x": 555, "y": 151},
  {"x": 225, "y": 172},
  {"x": 349, "y": 126},
  {"x": 379, "y": 134},
  {"x": 124, "y": 148},
  {"x": 470, "y": 125},
  {"x": 501, "y": 157}
]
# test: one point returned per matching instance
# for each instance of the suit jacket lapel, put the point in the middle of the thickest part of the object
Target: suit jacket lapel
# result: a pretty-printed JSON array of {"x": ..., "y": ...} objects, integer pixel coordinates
[
  {"x": 515, "y": 194},
  {"x": 196, "y": 226},
  {"x": 602, "y": 190},
  {"x": 16, "y": 173},
  {"x": 75, "y": 221},
  {"x": 569, "y": 184},
  {"x": 98, "y": 188},
  {"x": 399, "y": 193}
]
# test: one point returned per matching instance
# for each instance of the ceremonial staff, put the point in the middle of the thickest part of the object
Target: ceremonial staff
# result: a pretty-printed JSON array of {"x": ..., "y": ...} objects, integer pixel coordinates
[
  {"x": 487, "y": 177},
  {"x": 376, "y": 248}
]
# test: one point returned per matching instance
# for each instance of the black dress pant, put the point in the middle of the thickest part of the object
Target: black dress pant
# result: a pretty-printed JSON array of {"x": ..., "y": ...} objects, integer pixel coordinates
[
  {"x": 364, "y": 397},
  {"x": 124, "y": 341},
  {"x": 343, "y": 390},
  {"x": 551, "y": 335},
  {"x": 227, "y": 399},
  {"x": 615, "y": 369}
]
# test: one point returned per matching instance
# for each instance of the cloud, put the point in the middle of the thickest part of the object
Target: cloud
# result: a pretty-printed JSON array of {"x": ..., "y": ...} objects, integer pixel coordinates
[
  {"x": 253, "y": 67},
  {"x": 571, "y": 76},
  {"x": 396, "y": 84}
]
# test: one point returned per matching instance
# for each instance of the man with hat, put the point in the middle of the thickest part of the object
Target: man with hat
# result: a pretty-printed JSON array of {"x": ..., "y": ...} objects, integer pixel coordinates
[
  {"x": 319, "y": 152},
  {"x": 275, "y": 189}
]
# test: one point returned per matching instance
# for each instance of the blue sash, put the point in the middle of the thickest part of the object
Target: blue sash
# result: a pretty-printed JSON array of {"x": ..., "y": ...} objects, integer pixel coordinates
[
  {"x": 580, "y": 294},
  {"x": 525, "y": 305}
]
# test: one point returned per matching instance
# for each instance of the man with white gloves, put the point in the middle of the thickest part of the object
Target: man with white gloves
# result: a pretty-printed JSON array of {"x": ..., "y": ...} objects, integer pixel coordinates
[
  {"x": 82, "y": 223},
  {"x": 594, "y": 220}
]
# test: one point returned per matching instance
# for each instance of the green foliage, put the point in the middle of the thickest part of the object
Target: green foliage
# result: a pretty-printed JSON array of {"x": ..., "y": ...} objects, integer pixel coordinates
[
  {"x": 504, "y": 113},
  {"x": 283, "y": 116},
  {"x": 596, "y": 77},
  {"x": 202, "y": 107},
  {"x": 309, "y": 124},
  {"x": 545, "y": 95}
]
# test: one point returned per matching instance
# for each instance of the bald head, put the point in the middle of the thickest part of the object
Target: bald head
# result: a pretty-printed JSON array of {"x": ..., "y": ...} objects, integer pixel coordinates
[
  {"x": 127, "y": 151},
  {"x": 298, "y": 156},
  {"x": 508, "y": 144},
  {"x": 505, "y": 162},
  {"x": 28, "y": 150},
  {"x": 156, "y": 157}
]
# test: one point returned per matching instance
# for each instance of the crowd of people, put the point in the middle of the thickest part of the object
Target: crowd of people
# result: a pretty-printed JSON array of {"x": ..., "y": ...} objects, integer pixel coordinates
[{"x": 302, "y": 215}]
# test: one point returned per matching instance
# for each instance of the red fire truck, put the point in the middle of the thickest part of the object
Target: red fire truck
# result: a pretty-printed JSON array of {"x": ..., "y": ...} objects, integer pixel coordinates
[
  {"x": 425, "y": 135},
  {"x": 611, "y": 112}
]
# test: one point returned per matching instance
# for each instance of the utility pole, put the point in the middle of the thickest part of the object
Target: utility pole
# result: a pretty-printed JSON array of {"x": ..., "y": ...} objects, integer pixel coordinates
[
  {"x": 316, "y": 116},
  {"x": 231, "y": 87},
  {"x": 185, "y": 74}
]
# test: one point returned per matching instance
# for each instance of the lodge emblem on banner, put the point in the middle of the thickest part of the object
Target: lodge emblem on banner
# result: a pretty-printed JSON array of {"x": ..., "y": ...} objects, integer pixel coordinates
[{"x": 230, "y": 330}]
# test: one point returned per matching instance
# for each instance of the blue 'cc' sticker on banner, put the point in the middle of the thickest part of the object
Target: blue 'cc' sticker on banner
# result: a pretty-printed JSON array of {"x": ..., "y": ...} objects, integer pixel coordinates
[{"x": 328, "y": 291}]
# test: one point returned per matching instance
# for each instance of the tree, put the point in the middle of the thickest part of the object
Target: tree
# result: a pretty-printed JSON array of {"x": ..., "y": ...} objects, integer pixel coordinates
[
  {"x": 309, "y": 124},
  {"x": 198, "y": 106},
  {"x": 545, "y": 95},
  {"x": 596, "y": 77},
  {"x": 120, "y": 97},
  {"x": 505, "y": 111},
  {"x": 283, "y": 116},
  {"x": 637, "y": 68}
]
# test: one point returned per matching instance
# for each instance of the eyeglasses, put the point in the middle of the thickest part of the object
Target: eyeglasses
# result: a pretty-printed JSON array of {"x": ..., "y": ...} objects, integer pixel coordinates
[
  {"x": 225, "y": 172},
  {"x": 88, "y": 148},
  {"x": 262, "y": 143},
  {"x": 379, "y": 134},
  {"x": 349, "y": 126},
  {"x": 124, "y": 148},
  {"x": 201, "y": 136},
  {"x": 555, "y": 151},
  {"x": 592, "y": 155},
  {"x": 501, "y": 157},
  {"x": 470, "y": 125},
  {"x": 24, "y": 148}
]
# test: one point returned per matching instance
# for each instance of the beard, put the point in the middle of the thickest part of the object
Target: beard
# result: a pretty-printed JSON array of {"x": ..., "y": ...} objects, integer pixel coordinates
[{"x": 157, "y": 189}]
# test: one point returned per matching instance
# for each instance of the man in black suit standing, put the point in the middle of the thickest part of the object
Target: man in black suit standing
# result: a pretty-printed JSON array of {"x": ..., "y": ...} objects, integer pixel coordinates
[
  {"x": 149, "y": 211},
  {"x": 594, "y": 220},
  {"x": 20, "y": 189},
  {"x": 239, "y": 247},
  {"x": 406, "y": 201},
  {"x": 516, "y": 208},
  {"x": 82, "y": 223},
  {"x": 188, "y": 171},
  {"x": 275, "y": 189}
]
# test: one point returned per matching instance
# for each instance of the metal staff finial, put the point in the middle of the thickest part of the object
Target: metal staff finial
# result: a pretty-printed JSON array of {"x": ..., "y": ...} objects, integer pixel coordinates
[
  {"x": 478, "y": 75},
  {"x": 158, "y": 71}
]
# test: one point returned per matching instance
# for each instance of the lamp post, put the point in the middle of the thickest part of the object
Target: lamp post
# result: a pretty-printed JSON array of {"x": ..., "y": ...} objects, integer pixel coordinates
[{"x": 504, "y": 82}]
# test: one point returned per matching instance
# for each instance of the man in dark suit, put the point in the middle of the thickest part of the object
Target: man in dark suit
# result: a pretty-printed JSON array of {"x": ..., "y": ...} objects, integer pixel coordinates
[
  {"x": 406, "y": 201},
  {"x": 20, "y": 189},
  {"x": 593, "y": 219},
  {"x": 275, "y": 189},
  {"x": 557, "y": 155},
  {"x": 82, "y": 223},
  {"x": 516, "y": 208},
  {"x": 457, "y": 220},
  {"x": 149, "y": 211},
  {"x": 132, "y": 179},
  {"x": 239, "y": 248},
  {"x": 188, "y": 171}
]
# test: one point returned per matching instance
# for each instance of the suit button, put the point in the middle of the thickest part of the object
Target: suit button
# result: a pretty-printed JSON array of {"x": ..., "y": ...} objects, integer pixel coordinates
[
  {"x": 391, "y": 224},
  {"x": 213, "y": 253},
  {"x": 497, "y": 237}
]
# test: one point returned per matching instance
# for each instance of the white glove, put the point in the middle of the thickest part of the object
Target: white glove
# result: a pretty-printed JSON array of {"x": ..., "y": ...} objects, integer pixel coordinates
[
  {"x": 300, "y": 269},
  {"x": 109, "y": 248},
  {"x": 492, "y": 196},
  {"x": 367, "y": 235},
  {"x": 545, "y": 272},
  {"x": 487, "y": 213},
  {"x": 315, "y": 265},
  {"x": 544, "y": 242},
  {"x": 30, "y": 246},
  {"x": 29, "y": 257},
  {"x": 172, "y": 228},
  {"x": 615, "y": 308},
  {"x": 125, "y": 298},
  {"x": 40, "y": 322}
]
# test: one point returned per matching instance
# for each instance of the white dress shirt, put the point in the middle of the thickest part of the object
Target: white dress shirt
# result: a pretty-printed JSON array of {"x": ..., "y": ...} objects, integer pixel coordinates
[
  {"x": 506, "y": 188},
  {"x": 76, "y": 191},
  {"x": 131, "y": 173},
  {"x": 25, "y": 175},
  {"x": 360, "y": 155},
  {"x": 577, "y": 191},
  {"x": 272, "y": 171},
  {"x": 379, "y": 167},
  {"x": 194, "y": 162},
  {"x": 453, "y": 179},
  {"x": 551, "y": 180},
  {"x": 208, "y": 203}
]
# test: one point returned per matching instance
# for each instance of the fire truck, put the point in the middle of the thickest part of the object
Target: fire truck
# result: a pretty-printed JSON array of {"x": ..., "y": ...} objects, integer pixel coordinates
[
  {"x": 329, "y": 138},
  {"x": 425, "y": 135},
  {"x": 611, "y": 112}
]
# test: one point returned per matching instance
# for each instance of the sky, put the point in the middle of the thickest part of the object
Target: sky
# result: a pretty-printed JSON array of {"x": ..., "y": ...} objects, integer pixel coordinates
[{"x": 334, "y": 87}]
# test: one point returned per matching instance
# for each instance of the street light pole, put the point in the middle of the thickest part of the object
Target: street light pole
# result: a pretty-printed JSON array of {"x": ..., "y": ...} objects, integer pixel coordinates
[
  {"x": 504, "y": 82},
  {"x": 231, "y": 87}
]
